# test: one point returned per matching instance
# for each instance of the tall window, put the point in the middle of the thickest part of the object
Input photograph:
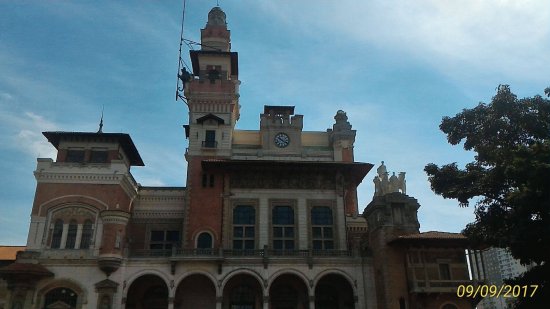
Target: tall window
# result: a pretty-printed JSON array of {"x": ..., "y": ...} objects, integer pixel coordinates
[
  {"x": 244, "y": 221},
  {"x": 283, "y": 227},
  {"x": 71, "y": 235},
  {"x": 57, "y": 234},
  {"x": 322, "y": 228},
  {"x": 444, "y": 272},
  {"x": 86, "y": 235},
  {"x": 99, "y": 156},
  {"x": 210, "y": 139}
]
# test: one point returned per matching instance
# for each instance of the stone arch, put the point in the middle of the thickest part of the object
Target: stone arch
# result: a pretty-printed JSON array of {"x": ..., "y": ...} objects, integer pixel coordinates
[
  {"x": 288, "y": 289},
  {"x": 72, "y": 199},
  {"x": 148, "y": 291},
  {"x": 197, "y": 289},
  {"x": 142, "y": 273},
  {"x": 290, "y": 271},
  {"x": 47, "y": 286},
  {"x": 67, "y": 212},
  {"x": 198, "y": 272},
  {"x": 334, "y": 289},
  {"x": 448, "y": 305},
  {"x": 236, "y": 272},
  {"x": 243, "y": 288},
  {"x": 325, "y": 272}
]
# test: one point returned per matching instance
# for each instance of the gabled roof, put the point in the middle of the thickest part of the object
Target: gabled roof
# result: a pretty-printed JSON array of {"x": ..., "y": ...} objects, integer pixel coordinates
[
  {"x": 125, "y": 141},
  {"x": 210, "y": 116},
  {"x": 433, "y": 238}
]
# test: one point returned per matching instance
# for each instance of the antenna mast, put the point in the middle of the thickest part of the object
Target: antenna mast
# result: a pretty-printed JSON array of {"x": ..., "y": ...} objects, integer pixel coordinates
[{"x": 183, "y": 74}]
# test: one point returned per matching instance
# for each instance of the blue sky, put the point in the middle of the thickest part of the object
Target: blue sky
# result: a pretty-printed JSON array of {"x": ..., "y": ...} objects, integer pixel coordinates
[{"x": 395, "y": 67}]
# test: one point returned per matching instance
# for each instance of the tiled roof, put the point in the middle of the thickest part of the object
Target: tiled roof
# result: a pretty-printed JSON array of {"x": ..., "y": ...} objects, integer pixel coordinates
[
  {"x": 434, "y": 235},
  {"x": 9, "y": 253},
  {"x": 25, "y": 269}
]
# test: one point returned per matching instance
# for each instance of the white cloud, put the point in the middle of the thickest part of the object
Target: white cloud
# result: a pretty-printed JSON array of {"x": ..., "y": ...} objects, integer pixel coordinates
[{"x": 508, "y": 37}]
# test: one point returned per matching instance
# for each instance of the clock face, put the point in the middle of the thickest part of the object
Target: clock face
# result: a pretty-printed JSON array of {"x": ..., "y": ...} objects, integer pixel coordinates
[{"x": 281, "y": 140}]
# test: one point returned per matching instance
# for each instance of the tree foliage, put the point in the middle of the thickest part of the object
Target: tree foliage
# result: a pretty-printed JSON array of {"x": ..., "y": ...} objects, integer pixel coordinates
[{"x": 509, "y": 180}]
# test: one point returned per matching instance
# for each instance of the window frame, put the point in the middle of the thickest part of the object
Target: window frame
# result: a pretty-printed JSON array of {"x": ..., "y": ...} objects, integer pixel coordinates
[
  {"x": 292, "y": 205},
  {"x": 244, "y": 227},
  {"x": 334, "y": 238}
]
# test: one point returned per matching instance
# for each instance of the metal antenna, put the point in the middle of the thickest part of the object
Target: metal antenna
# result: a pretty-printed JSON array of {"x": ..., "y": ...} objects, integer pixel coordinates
[{"x": 101, "y": 121}]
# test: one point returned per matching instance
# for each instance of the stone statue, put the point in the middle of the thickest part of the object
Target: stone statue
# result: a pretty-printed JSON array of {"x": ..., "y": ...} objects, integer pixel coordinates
[{"x": 384, "y": 185}]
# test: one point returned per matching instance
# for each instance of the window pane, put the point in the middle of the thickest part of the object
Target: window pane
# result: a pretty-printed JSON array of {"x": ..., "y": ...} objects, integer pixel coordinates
[
  {"x": 249, "y": 244},
  {"x": 71, "y": 235},
  {"x": 244, "y": 215},
  {"x": 204, "y": 241},
  {"x": 157, "y": 235},
  {"x": 173, "y": 236},
  {"x": 249, "y": 231},
  {"x": 317, "y": 244},
  {"x": 57, "y": 233},
  {"x": 321, "y": 215},
  {"x": 329, "y": 244},
  {"x": 289, "y": 244},
  {"x": 98, "y": 156},
  {"x": 317, "y": 232},
  {"x": 289, "y": 232},
  {"x": 86, "y": 235},
  {"x": 278, "y": 244},
  {"x": 237, "y": 244},
  {"x": 75, "y": 156},
  {"x": 238, "y": 232},
  {"x": 327, "y": 232},
  {"x": 277, "y": 232},
  {"x": 283, "y": 215},
  {"x": 156, "y": 246}
]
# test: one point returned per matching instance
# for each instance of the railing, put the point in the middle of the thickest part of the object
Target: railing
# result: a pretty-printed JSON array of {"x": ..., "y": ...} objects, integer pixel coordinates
[{"x": 226, "y": 253}]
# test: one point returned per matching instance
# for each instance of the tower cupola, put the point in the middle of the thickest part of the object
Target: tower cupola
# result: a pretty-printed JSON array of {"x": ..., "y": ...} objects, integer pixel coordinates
[{"x": 215, "y": 36}]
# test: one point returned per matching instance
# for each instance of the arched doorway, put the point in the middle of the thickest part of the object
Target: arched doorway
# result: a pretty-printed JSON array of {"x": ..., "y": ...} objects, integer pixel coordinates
[
  {"x": 288, "y": 291},
  {"x": 195, "y": 291},
  {"x": 242, "y": 291},
  {"x": 333, "y": 291},
  {"x": 61, "y": 297},
  {"x": 147, "y": 292}
]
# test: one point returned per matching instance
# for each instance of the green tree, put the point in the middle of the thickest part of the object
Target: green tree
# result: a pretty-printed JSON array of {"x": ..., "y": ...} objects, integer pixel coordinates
[{"x": 509, "y": 181}]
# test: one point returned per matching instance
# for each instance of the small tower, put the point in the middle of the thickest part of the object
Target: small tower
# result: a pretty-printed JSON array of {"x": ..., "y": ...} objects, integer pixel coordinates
[
  {"x": 281, "y": 130},
  {"x": 83, "y": 200},
  {"x": 213, "y": 99},
  {"x": 390, "y": 214}
]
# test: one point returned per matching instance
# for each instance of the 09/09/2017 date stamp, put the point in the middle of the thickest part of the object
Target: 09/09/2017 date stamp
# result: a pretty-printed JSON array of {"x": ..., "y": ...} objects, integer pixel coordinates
[{"x": 507, "y": 291}]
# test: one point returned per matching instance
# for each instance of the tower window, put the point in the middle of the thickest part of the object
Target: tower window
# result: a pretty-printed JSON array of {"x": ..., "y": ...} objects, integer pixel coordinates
[
  {"x": 322, "y": 228},
  {"x": 56, "y": 234},
  {"x": 75, "y": 156},
  {"x": 71, "y": 235},
  {"x": 86, "y": 235},
  {"x": 98, "y": 156},
  {"x": 210, "y": 139}
]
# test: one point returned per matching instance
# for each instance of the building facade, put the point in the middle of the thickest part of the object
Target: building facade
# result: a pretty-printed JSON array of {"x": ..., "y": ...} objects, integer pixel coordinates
[{"x": 268, "y": 218}]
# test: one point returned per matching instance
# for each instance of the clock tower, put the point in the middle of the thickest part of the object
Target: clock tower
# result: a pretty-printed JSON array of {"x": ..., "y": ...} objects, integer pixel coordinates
[
  {"x": 212, "y": 94},
  {"x": 280, "y": 131}
]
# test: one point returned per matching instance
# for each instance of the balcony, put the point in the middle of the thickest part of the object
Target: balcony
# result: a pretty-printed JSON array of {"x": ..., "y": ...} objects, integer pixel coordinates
[
  {"x": 209, "y": 144},
  {"x": 220, "y": 254}
]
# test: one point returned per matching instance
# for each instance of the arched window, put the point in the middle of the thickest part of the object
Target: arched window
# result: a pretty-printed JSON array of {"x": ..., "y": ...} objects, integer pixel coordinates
[
  {"x": 86, "y": 235},
  {"x": 56, "y": 234},
  {"x": 64, "y": 297},
  {"x": 282, "y": 219},
  {"x": 71, "y": 235},
  {"x": 321, "y": 228},
  {"x": 204, "y": 241},
  {"x": 244, "y": 221}
]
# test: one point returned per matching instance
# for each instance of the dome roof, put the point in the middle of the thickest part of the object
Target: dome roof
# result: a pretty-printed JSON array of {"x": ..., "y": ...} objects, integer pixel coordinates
[{"x": 216, "y": 17}]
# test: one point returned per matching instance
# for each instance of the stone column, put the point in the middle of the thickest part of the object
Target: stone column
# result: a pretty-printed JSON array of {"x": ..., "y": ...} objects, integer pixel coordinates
[
  {"x": 263, "y": 223},
  {"x": 340, "y": 223},
  {"x": 311, "y": 301},
  {"x": 78, "y": 236},
  {"x": 303, "y": 226},
  {"x": 219, "y": 300},
  {"x": 266, "y": 302},
  {"x": 170, "y": 302},
  {"x": 64, "y": 235}
]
